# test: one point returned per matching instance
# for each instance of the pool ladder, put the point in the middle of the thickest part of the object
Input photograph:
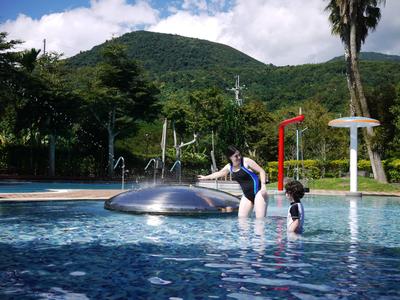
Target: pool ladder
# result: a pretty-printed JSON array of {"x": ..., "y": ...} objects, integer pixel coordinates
[
  {"x": 157, "y": 165},
  {"x": 123, "y": 170}
]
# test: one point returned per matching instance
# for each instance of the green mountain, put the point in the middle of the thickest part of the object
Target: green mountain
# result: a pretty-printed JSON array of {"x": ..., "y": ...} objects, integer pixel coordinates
[
  {"x": 161, "y": 52},
  {"x": 371, "y": 56},
  {"x": 180, "y": 64}
]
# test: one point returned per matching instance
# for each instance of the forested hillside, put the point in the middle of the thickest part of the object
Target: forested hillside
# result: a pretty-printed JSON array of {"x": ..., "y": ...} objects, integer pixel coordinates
[
  {"x": 372, "y": 56},
  {"x": 74, "y": 117},
  {"x": 159, "y": 53},
  {"x": 182, "y": 64}
]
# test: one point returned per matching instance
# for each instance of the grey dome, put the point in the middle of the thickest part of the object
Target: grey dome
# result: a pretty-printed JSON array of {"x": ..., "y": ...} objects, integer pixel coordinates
[{"x": 173, "y": 199}]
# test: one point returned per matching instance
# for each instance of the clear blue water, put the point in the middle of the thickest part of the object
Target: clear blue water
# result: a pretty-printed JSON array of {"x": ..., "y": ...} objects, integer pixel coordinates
[
  {"x": 78, "y": 250},
  {"x": 30, "y": 187}
]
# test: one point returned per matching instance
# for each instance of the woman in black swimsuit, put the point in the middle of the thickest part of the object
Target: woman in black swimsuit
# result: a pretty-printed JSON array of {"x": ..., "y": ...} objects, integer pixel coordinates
[{"x": 243, "y": 170}]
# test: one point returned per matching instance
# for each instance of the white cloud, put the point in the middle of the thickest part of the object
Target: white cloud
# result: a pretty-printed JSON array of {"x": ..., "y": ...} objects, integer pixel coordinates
[
  {"x": 185, "y": 23},
  {"x": 281, "y": 32},
  {"x": 274, "y": 31},
  {"x": 82, "y": 28},
  {"x": 386, "y": 38}
]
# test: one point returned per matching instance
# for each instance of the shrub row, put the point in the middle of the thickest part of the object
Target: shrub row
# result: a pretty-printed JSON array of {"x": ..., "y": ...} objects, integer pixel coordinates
[{"x": 314, "y": 169}]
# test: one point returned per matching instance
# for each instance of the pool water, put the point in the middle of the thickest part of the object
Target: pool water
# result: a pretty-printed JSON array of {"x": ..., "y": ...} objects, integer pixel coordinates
[
  {"x": 30, "y": 187},
  {"x": 78, "y": 250}
]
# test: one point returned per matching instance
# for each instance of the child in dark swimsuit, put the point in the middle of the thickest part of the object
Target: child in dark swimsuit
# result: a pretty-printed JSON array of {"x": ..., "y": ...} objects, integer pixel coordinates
[
  {"x": 295, "y": 217},
  {"x": 243, "y": 170}
]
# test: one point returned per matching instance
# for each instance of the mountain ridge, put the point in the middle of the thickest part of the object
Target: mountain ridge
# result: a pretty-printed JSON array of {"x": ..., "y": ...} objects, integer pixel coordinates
[
  {"x": 371, "y": 56},
  {"x": 180, "y": 65},
  {"x": 154, "y": 50}
]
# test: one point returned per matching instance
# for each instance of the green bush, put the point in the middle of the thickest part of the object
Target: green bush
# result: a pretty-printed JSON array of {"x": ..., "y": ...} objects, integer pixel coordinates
[
  {"x": 392, "y": 169},
  {"x": 314, "y": 169},
  {"x": 364, "y": 165},
  {"x": 338, "y": 168}
]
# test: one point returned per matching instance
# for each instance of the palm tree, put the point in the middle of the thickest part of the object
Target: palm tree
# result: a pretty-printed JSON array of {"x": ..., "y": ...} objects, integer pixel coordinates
[
  {"x": 29, "y": 58},
  {"x": 352, "y": 20}
]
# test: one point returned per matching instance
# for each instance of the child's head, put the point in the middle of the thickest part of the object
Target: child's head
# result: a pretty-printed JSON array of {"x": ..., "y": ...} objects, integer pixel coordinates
[{"x": 295, "y": 190}]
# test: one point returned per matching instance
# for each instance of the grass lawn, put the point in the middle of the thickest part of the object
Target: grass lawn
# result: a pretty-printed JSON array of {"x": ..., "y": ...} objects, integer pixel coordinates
[{"x": 364, "y": 184}]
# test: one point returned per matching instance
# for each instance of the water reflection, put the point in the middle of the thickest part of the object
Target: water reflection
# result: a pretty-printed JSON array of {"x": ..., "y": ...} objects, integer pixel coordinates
[
  {"x": 353, "y": 226},
  {"x": 158, "y": 257},
  {"x": 154, "y": 220}
]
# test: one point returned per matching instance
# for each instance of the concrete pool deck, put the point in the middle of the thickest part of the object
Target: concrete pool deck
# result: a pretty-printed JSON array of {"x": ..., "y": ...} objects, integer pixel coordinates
[
  {"x": 101, "y": 195},
  {"x": 61, "y": 195}
]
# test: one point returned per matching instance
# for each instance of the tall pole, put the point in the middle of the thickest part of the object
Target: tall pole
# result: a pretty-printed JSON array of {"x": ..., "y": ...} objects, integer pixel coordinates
[
  {"x": 212, "y": 140},
  {"x": 297, "y": 148},
  {"x": 237, "y": 90},
  {"x": 353, "y": 159},
  {"x": 163, "y": 145},
  {"x": 281, "y": 147},
  {"x": 281, "y": 156},
  {"x": 297, "y": 153},
  {"x": 44, "y": 46}
]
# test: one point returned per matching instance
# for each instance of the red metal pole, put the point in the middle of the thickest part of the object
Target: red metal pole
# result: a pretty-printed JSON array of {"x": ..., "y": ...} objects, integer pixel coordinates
[{"x": 281, "y": 147}]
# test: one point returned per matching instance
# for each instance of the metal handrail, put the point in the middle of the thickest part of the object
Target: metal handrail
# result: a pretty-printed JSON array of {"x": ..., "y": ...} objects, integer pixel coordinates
[
  {"x": 148, "y": 164},
  {"x": 123, "y": 170},
  {"x": 174, "y": 165}
]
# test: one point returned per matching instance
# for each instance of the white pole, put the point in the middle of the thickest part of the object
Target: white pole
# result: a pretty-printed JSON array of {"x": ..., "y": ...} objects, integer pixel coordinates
[
  {"x": 297, "y": 153},
  {"x": 297, "y": 148},
  {"x": 163, "y": 145},
  {"x": 353, "y": 159},
  {"x": 123, "y": 176}
]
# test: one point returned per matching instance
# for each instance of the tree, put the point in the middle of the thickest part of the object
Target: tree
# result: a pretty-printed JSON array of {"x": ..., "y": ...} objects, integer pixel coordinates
[
  {"x": 232, "y": 132},
  {"x": 260, "y": 131},
  {"x": 351, "y": 20},
  {"x": 28, "y": 59},
  {"x": 10, "y": 76},
  {"x": 381, "y": 101},
  {"x": 48, "y": 107},
  {"x": 208, "y": 108},
  {"x": 118, "y": 95},
  {"x": 395, "y": 111},
  {"x": 9, "y": 83},
  {"x": 179, "y": 112}
]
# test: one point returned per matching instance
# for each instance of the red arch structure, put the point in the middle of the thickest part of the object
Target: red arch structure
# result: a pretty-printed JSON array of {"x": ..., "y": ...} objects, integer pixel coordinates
[{"x": 281, "y": 147}]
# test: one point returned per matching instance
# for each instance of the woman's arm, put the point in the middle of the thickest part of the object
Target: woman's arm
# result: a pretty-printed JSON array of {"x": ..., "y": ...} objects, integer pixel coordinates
[
  {"x": 255, "y": 167},
  {"x": 215, "y": 175},
  {"x": 293, "y": 227}
]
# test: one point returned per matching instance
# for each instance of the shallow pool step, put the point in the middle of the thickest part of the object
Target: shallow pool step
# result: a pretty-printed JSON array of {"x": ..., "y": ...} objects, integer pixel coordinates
[{"x": 226, "y": 186}]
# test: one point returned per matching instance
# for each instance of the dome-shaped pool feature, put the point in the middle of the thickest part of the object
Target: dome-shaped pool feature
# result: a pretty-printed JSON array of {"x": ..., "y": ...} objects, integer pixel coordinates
[{"x": 174, "y": 200}]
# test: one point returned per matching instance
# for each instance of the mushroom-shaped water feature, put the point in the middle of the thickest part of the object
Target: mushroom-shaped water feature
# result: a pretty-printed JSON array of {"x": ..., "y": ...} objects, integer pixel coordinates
[
  {"x": 353, "y": 123},
  {"x": 174, "y": 200}
]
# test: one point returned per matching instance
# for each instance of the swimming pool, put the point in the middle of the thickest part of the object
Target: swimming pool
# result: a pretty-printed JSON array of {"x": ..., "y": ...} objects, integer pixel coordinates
[
  {"x": 30, "y": 187},
  {"x": 78, "y": 250}
]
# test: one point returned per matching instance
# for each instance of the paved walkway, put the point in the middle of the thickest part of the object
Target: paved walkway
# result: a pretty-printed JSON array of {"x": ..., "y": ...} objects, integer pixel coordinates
[
  {"x": 102, "y": 195},
  {"x": 61, "y": 195}
]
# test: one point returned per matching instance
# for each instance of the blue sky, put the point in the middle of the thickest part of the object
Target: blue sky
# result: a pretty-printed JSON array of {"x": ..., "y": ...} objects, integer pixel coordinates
[
  {"x": 281, "y": 32},
  {"x": 10, "y": 9}
]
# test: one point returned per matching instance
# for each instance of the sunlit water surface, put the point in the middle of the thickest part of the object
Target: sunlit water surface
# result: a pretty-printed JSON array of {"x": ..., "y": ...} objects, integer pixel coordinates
[{"x": 78, "y": 250}]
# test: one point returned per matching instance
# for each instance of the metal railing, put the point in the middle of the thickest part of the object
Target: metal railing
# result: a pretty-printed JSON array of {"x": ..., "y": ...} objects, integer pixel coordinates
[{"x": 123, "y": 170}]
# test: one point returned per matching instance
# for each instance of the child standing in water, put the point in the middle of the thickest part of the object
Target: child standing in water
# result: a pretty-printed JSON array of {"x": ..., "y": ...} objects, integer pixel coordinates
[{"x": 295, "y": 217}]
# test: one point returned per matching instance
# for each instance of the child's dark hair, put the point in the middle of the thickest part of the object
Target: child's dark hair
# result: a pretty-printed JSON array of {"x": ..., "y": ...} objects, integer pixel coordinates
[
  {"x": 230, "y": 150},
  {"x": 295, "y": 189}
]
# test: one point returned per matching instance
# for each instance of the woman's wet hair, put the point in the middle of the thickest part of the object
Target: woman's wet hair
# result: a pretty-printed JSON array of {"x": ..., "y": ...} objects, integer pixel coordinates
[
  {"x": 295, "y": 189},
  {"x": 230, "y": 150}
]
